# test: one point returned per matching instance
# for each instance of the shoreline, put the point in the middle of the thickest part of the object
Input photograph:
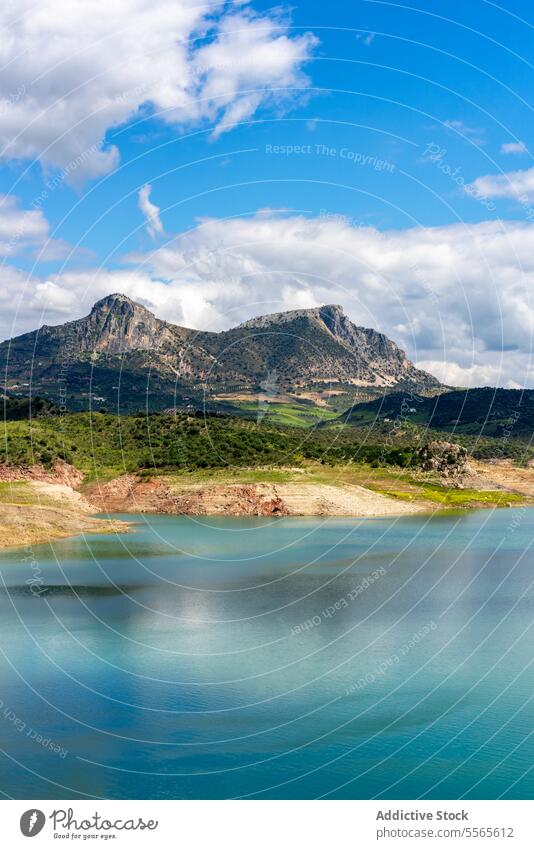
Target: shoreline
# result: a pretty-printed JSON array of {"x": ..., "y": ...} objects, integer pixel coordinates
[
  {"x": 240, "y": 499},
  {"x": 29, "y": 526},
  {"x": 38, "y": 507}
]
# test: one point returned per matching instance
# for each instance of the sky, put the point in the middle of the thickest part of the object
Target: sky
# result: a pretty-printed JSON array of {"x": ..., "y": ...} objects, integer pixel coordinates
[{"x": 219, "y": 161}]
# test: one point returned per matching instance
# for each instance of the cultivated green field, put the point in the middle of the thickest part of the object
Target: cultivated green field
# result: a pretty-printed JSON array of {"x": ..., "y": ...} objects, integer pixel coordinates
[{"x": 286, "y": 414}]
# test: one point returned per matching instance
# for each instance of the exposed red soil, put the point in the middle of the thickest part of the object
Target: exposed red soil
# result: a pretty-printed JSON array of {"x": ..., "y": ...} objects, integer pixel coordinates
[
  {"x": 60, "y": 472},
  {"x": 130, "y": 493}
]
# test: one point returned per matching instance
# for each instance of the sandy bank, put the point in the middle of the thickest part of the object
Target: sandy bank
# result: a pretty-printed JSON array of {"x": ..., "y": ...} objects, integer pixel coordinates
[
  {"x": 29, "y": 525},
  {"x": 131, "y": 494},
  {"x": 38, "y": 505},
  {"x": 503, "y": 474},
  {"x": 41, "y": 510}
]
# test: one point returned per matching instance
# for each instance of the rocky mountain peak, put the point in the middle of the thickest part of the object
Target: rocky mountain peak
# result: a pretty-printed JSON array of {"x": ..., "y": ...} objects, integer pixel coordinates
[
  {"x": 334, "y": 318},
  {"x": 329, "y": 312},
  {"x": 332, "y": 310},
  {"x": 116, "y": 324},
  {"x": 117, "y": 303}
]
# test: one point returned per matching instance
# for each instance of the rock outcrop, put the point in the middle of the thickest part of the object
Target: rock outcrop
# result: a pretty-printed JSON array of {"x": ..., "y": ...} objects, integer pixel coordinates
[
  {"x": 59, "y": 473},
  {"x": 447, "y": 459}
]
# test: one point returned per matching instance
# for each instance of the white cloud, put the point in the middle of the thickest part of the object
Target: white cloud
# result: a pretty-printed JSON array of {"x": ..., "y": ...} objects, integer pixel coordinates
[
  {"x": 513, "y": 184},
  {"x": 514, "y": 147},
  {"x": 475, "y": 134},
  {"x": 27, "y": 229},
  {"x": 71, "y": 72},
  {"x": 19, "y": 228},
  {"x": 484, "y": 374},
  {"x": 455, "y": 297},
  {"x": 366, "y": 38},
  {"x": 150, "y": 211}
]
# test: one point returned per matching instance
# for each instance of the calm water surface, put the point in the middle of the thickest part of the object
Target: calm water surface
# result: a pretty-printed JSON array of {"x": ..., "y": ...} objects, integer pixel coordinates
[{"x": 287, "y": 658}]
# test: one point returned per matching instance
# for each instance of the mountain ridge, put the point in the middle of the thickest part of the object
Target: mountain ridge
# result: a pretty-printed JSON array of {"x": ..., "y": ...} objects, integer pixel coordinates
[{"x": 122, "y": 341}]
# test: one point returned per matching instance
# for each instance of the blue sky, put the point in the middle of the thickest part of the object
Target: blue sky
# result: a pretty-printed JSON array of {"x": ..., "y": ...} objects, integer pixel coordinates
[{"x": 325, "y": 154}]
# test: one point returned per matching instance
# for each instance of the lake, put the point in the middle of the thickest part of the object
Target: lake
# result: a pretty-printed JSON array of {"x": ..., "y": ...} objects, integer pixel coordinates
[{"x": 272, "y": 658}]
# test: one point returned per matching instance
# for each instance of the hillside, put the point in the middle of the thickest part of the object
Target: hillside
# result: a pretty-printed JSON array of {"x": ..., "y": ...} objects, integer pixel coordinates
[
  {"x": 500, "y": 414},
  {"x": 123, "y": 357},
  {"x": 106, "y": 444},
  {"x": 103, "y": 443},
  {"x": 24, "y": 408},
  {"x": 57, "y": 469}
]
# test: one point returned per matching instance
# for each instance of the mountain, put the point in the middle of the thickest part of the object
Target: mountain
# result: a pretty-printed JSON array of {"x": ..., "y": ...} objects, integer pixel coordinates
[
  {"x": 322, "y": 344},
  {"x": 122, "y": 351}
]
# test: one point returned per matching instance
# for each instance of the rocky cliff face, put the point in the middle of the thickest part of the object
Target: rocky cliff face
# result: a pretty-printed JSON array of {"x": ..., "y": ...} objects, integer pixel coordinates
[
  {"x": 325, "y": 343},
  {"x": 122, "y": 342},
  {"x": 117, "y": 325}
]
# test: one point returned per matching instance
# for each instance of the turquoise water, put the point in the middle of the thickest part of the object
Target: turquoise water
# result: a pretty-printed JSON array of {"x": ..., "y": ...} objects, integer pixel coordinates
[{"x": 286, "y": 658}]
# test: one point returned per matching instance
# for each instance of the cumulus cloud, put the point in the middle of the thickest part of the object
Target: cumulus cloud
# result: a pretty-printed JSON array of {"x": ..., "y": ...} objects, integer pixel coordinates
[
  {"x": 513, "y": 184},
  {"x": 71, "y": 72},
  {"x": 514, "y": 147},
  {"x": 27, "y": 229},
  {"x": 150, "y": 211},
  {"x": 19, "y": 228},
  {"x": 483, "y": 374},
  {"x": 457, "y": 298}
]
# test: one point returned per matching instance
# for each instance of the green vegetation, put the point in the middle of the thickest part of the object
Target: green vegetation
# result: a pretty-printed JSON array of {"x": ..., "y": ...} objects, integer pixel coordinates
[
  {"x": 489, "y": 422},
  {"x": 452, "y": 497},
  {"x": 19, "y": 409},
  {"x": 111, "y": 444},
  {"x": 197, "y": 448},
  {"x": 285, "y": 414},
  {"x": 193, "y": 449}
]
